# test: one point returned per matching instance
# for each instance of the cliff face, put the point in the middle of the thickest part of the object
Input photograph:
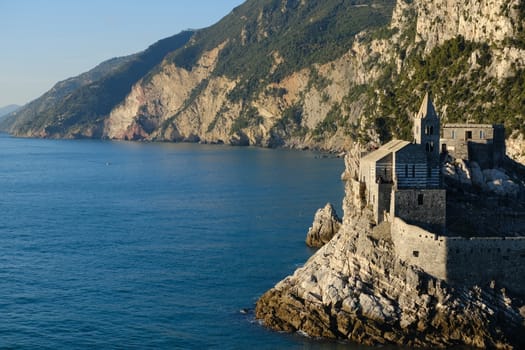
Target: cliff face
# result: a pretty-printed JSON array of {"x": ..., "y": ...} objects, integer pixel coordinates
[
  {"x": 330, "y": 101},
  {"x": 355, "y": 288},
  {"x": 328, "y": 98},
  {"x": 310, "y": 74},
  {"x": 476, "y": 20},
  {"x": 152, "y": 102},
  {"x": 177, "y": 104}
]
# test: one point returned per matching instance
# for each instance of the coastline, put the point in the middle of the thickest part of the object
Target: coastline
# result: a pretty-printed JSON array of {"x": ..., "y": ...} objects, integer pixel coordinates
[{"x": 355, "y": 288}]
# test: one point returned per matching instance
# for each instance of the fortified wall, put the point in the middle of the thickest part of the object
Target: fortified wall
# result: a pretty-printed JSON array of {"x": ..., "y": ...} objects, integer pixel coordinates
[{"x": 459, "y": 260}]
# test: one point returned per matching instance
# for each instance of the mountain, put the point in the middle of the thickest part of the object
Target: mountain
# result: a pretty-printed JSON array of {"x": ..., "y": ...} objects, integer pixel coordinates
[
  {"x": 30, "y": 112},
  {"x": 309, "y": 74},
  {"x": 8, "y": 109},
  {"x": 75, "y": 107}
]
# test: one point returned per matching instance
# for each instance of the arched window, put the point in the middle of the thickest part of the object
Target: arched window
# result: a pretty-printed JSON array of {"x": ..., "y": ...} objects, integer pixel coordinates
[{"x": 431, "y": 131}]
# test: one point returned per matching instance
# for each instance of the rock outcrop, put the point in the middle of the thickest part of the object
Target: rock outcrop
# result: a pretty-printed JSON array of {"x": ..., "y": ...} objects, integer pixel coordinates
[
  {"x": 326, "y": 224},
  {"x": 496, "y": 181},
  {"x": 516, "y": 147},
  {"x": 355, "y": 288}
]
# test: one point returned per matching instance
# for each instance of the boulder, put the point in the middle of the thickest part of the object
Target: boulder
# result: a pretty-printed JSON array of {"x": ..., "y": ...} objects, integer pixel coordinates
[
  {"x": 463, "y": 172},
  {"x": 504, "y": 187},
  {"x": 499, "y": 183},
  {"x": 326, "y": 224},
  {"x": 495, "y": 174},
  {"x": 478, "y": 179}
]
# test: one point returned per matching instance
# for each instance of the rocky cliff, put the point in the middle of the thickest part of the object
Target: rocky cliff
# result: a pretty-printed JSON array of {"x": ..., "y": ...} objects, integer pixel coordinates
[
  {"x": 355, "y": 288},
  {"x": 311, "y": 74},
  {"x": 325, "y": 226}
]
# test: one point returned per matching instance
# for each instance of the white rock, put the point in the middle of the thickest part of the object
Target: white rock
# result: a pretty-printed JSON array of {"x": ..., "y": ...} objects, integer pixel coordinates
[
  {"x": 371, "y": 307},
  {"x": 350, "y": 305},
  {"x": 325, "y": 225},
  {"x": 463, "y": 172}
]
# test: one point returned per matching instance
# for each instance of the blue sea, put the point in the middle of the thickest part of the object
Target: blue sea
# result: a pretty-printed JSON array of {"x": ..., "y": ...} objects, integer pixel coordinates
[{"x": 121, "y": 245}]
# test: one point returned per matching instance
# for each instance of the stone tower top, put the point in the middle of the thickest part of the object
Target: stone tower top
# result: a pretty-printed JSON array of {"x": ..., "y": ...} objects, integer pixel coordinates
[
  {"x": 427, "y": 130},
  {"x": 427, "y": 109}
]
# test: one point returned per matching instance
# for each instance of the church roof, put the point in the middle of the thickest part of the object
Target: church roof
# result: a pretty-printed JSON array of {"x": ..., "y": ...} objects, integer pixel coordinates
[
  {"x": 427, "y": 108},
  {"x": 390, "y": 147}
]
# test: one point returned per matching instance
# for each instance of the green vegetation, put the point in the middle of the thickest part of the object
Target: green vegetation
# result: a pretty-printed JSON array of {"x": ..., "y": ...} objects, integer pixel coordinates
[
  {"x": 463, "y": 88},
  {"x": 290, "y": 122},
  {"x": 519, "y": 38},
  {"x": 317, "y": 81},
  {"x": 331, "y": 123},
  {"x": 248, "y": 117},
  {"x": 301, "y": 34},
  {"x": 265, "y": 41},
  {"x": 224, "y": 109}
]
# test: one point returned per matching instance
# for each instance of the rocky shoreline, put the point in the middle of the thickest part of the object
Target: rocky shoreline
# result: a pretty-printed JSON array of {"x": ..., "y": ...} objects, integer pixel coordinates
[{"x": 355, "y": 288}]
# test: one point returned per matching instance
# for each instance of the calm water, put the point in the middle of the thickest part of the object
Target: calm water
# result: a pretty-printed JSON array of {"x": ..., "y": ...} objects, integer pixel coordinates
[{"x": 126, "y": 245}]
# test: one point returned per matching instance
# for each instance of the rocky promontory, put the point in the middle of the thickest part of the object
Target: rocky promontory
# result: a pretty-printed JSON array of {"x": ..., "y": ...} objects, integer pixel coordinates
[
  {"x": 355, "y": 288},
  {"x": 326, "y": 224}
]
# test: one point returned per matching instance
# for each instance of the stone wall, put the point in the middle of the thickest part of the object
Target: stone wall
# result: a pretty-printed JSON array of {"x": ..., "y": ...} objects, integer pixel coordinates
[
  {"x": 462, "y": 261},
  {"x": 383, "y": 202},
  {"x": 419, "y": 247},
  {"x": 422, "y": 207},
  {"x": 481, "y": 260}
]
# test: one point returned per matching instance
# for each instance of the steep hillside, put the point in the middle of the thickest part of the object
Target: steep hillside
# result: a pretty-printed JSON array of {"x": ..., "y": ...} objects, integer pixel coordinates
[
  {"x": 244, "y": 80},
  {"x": 301, "y": 73},
  {"x": 29, "y": 114},
  {"x": 77, "y": 106}
]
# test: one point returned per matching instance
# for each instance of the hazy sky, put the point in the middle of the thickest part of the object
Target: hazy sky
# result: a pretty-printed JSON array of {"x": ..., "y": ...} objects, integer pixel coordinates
[{"x": 45, "y": 41}]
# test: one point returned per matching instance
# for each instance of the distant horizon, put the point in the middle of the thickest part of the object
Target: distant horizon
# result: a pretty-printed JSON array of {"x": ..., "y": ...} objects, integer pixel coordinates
[{"x": 57, "y": 40}]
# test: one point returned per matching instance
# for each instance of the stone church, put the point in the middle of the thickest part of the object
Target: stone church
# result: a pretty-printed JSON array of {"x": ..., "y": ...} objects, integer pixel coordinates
[
  {"x": 402, "y": 178},
  {"x": 401, "y": 182}
]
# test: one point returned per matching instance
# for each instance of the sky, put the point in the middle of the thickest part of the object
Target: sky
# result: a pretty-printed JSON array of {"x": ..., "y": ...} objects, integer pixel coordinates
[{"x": 46, "y": 41}]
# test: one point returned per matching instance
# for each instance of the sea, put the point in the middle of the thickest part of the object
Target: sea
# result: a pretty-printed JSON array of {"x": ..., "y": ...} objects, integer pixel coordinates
[{"x": 125, "y": 245}]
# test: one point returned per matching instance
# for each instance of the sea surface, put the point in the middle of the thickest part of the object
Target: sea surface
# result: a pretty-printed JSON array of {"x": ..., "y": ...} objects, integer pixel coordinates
[{"x": 121, "y": 245}]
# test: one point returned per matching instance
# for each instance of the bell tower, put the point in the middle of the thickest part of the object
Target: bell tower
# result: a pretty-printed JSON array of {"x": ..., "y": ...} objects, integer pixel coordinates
[{"x": 427, "y": 130}]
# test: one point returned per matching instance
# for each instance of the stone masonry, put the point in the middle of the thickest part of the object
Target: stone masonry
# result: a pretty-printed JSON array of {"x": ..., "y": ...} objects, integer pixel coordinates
[{"x": 401, "y": 182}]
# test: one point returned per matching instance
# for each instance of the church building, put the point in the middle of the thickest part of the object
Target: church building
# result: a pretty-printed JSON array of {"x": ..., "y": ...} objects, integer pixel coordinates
[{"x": 402, "y": 179}]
